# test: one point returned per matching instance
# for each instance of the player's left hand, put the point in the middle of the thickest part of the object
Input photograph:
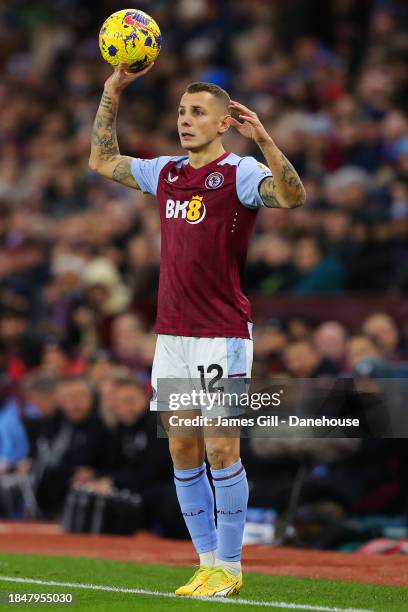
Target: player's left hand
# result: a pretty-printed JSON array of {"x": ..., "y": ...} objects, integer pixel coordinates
[{"x": 251, "y": 126}]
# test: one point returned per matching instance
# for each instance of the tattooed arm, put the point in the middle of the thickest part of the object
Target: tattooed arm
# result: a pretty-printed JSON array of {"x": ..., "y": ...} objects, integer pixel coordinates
[
  {"x": 105, "y": 155},
  {"x": 284, "y": 189}
]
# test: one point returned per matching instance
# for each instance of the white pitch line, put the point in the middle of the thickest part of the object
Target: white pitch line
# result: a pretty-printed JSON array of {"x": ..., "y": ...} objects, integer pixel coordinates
[{"x": 224, "y": 600}]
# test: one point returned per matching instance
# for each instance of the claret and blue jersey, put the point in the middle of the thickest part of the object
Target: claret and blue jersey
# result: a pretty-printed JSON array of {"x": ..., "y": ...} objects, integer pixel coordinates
[{"x": 207, "y": 217}]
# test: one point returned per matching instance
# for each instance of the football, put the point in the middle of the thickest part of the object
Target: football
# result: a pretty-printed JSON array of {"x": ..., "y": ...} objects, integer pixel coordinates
[{"x": 130, "y": 36}]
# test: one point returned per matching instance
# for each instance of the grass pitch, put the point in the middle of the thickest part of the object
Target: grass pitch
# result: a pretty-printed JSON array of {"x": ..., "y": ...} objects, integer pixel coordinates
[{"x": 88, "y": 577}]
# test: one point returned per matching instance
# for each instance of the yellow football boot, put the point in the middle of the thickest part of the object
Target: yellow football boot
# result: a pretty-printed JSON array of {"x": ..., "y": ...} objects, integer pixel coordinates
[
  {"x": 219, "y": 583},
  {"x": 196, "y": 581}
]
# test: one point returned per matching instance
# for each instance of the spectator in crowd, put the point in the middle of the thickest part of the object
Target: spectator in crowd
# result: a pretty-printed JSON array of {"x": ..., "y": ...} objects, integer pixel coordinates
[
  {"x": 382, "y": 329},
  {"x": 79, "y": 449},
  {"x": 40, "y": 411},
  {"x": 105, "y": 293},
  {"x": 40, "y": 392},
  {"x": 13, "y": 439},
  {"x": 131, "y": 344},
  {"x": 141, "y": 462},
  {"x": 270, "y": 267},
  {"x": 269, "y": 343},
  {"x": 365, "y": 358},
  {"x": 316, "y": 273},
  {"x": 58, "y": 360},
  {"x": 106, "y": 386},
  {"x": 330, "y": 338},
  {"x": 142, "y": 268},
  {"x": 361, "y": 347},
  {"x": 300, "y": 327},
  {"x": 104, "y": 288},
  {"x": 16, "y": 342},
  {"x": 303, "y": 360},
  {"x": 336, "y": 226},
  {"x": 100, "y": 365}
]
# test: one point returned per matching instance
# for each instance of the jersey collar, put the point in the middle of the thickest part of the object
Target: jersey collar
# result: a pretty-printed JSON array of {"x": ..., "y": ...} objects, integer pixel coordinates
[{"x": 205, "y": 168}]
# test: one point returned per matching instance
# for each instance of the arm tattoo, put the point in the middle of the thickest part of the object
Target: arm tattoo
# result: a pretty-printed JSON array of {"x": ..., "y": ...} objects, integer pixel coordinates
[
  {"x": 292, "y": 182},
  {"x": 105, "y": 147},
  {"x": 284, "y": 189},
  {"x": 122, "y": 172},
  {"x": 104, "y": 137},
  {"x": 267, "y": 193}
]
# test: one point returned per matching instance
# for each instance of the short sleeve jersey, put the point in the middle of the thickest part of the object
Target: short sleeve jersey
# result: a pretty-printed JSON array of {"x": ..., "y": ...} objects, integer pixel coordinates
[{"x": 207, "y": 216}]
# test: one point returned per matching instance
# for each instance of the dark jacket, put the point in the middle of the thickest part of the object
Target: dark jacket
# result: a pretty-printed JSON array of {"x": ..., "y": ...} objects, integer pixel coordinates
[{"x": 141, "y": 459}]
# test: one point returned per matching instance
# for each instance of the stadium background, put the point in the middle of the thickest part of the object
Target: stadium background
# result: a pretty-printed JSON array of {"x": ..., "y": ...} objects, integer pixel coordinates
[{"x": 79, "y": 256}]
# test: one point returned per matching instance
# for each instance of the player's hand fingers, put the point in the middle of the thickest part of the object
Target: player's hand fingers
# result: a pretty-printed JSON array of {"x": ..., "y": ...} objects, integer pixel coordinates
[
  {"x": 240, "y": 107},
  {"x": 252, "y": 120},
  {"x": 123, "y": 70},
  {"x": 237, "y": 104},
  {"x": 146, "y": 70},
  {"x": 121, "y": 67},
  {"x": 234, "y": 122}
]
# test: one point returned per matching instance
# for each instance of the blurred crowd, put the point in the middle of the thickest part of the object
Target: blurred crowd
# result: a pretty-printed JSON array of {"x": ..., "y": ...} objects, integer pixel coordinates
[
  {"x": 71, "y": 423},
  {"x": 79, "y": 255}
]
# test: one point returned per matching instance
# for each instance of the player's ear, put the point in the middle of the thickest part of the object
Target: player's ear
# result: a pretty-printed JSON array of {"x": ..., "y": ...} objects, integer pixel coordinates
[{"x": 224, "y": 124}]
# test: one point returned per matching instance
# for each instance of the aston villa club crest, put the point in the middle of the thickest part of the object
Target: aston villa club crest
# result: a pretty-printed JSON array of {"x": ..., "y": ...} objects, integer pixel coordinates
[{"x": 214, "y": 180}]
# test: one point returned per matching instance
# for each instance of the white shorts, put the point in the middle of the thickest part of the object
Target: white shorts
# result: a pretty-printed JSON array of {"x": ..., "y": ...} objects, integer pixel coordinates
[{"x": 198, "y": 363}]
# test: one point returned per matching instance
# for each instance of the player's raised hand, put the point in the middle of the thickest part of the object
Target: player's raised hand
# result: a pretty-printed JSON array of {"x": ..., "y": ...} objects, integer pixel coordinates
[
  {"x": 122, "y": 77},
  {"x": 250, "y": 125}
]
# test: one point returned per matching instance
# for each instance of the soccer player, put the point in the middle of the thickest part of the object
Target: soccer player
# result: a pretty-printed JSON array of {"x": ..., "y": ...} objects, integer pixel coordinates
[{"x": 208, "y": 202}]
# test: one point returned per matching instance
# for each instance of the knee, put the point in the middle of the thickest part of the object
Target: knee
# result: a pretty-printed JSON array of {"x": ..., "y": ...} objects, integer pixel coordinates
[
  {"x": 186, "y": 453},
  {"x": 222, "y": 453}
]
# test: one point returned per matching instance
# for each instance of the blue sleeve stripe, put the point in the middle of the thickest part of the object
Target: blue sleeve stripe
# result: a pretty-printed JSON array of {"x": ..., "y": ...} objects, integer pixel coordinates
[{"x": 236, "y": 357}]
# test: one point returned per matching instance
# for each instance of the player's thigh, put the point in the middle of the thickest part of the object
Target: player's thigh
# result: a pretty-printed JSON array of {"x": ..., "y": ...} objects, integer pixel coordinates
[
  {"x": 182, "y": 423},
  {"x": 169, "y": 367}
]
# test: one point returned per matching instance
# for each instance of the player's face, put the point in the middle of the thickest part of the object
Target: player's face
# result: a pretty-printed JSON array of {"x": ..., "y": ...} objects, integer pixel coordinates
[{"x": 201, "y": 119}]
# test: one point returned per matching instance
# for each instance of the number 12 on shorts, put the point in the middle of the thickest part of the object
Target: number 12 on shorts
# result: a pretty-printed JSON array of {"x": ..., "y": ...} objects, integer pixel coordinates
[{"x": 212, "y": 381}]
